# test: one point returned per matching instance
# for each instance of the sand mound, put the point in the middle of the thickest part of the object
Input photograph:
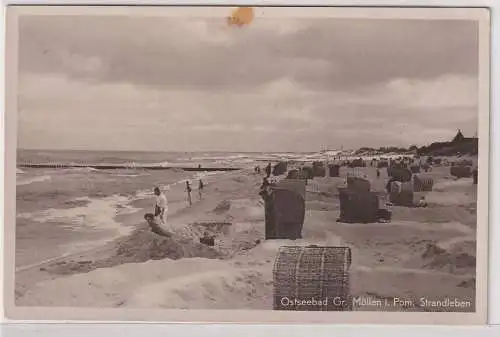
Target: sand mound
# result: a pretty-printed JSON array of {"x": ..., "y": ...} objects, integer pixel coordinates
[
  {"x": 242, "y": 238},
  {"x": 240, "y": 179},
  {"x": 456, "y": 257},
  {"x": 452, "y": 198},
  {"x": 144, "y": 245},
  {"x": 453, "y": 185},
  {"x": 214, "y": 289},
  {"x": 322, "y": 206},
  {"x": 248, "y": 209},
  {"x": 140, "y": 246},
  {"x": 222, "y": 207},
  {"x": 469, "y": 283}
]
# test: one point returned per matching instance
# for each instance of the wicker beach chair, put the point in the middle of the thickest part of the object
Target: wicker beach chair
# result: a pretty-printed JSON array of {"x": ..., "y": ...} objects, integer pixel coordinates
[
  {"x": 382, "y": 164},
  {"x": 307, "y": 172},
  {"x": 318, "y": 169},
  {"x": 399, "y": 173},
  {"x": 357, "y": 206},
  {"x": 312, "y": 278},
  {"x": 360, "y": 184},
  {"x": 334, "y": 170},
  {"x": 422, "y": 183},
  {"x": 280, "y": 168},
  {"x": 415, "y": 169},
  {"x": 402, "y": 194},
  {"x": 461, "y": 171},
  {"x": 285, "y": 210},
  {"x": 293, "y": 174}
]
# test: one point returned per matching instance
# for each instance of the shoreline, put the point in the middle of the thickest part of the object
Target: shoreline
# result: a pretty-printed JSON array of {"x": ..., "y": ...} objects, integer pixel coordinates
[
  {"x": 176, "y": 197},
  {"x": 130, "y": 166},
  {"x": 128, "y": 213}
]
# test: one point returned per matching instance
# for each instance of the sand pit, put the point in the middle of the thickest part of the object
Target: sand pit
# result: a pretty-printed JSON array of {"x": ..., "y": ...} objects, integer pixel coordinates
[{"x": 142, "y": 245}]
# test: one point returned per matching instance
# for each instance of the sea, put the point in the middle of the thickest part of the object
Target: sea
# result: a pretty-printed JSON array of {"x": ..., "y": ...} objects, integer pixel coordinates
[{"x": 62, "y": 211}]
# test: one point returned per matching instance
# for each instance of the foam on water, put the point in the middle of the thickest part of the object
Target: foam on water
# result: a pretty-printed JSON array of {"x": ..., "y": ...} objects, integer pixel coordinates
[
  {"x": 132, "y": 175},
  {"x": 148, "y": 193},
  {"x": 29, "y": 181},
  {"x": 82, "y": 170},
  {"x": 97, "y": 214},
  {"x": 226, "y": 158},
  {"x": 19, "y": 171}
]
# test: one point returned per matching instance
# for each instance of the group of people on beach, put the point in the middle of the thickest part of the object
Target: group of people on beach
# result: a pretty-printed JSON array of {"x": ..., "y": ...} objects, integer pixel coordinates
[{"x": 159, "y": 218}]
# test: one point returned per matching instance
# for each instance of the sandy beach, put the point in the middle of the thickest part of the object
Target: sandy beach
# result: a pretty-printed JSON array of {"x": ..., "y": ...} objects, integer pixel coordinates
[{"x": 423, "y": 253}]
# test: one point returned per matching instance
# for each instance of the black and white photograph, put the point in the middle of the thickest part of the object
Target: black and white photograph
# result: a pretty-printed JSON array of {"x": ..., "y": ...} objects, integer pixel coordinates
[{"x": 249, "y": 159}]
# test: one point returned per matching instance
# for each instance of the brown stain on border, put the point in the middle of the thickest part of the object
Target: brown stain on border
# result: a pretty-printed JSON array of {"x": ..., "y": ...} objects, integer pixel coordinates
[{"x": 241, "y": 16}]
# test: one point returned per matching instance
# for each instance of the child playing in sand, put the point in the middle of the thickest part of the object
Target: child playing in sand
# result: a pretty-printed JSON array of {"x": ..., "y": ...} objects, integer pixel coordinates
[
  {"x": 161, "y": 205},
  {"x": 422, "y": 202},
  {"x": 155, "y": 226},
  {"x": 188, "y": 190}
]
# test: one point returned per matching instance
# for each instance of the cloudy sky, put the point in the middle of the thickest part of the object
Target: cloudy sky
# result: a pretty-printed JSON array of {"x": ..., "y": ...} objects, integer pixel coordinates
[{"x": 172, "y": 84}]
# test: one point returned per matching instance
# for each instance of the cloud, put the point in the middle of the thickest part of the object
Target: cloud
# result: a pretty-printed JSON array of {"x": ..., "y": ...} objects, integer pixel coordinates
[
  {"x": 58, "y": 111},
  {"x": 206, "y": 54},
  {"x": 191, "y": 84},
  {"x": 443, "y": 92}
]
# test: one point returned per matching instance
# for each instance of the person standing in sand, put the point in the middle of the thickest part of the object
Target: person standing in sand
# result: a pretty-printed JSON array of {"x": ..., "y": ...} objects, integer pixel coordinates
[
  {"x": 200, "y": 189},
  {"x": 161, "y": 205},
  {"x": 188, "y": 190},
  {"x": 268, "y": 170}
]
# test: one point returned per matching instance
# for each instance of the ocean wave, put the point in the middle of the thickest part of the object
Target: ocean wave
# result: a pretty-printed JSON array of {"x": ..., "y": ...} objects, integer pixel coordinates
[
  {"x": 82, "y": 170},
  {"x": 131, "y": 175},
  {"x": 19, "y": 171},
  {"x": 199, "y": 175},
  {"x": 221, "y": 157},
  {"x": 148, "y": 193},
  {"x": 97, "y": 214},
  {"x": 32, "y": 180}
]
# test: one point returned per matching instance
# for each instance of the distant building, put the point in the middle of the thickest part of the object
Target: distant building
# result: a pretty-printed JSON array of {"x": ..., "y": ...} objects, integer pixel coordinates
[
  {"x": 459, "y": 137},
  {"x": 458, "y": 145}
]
